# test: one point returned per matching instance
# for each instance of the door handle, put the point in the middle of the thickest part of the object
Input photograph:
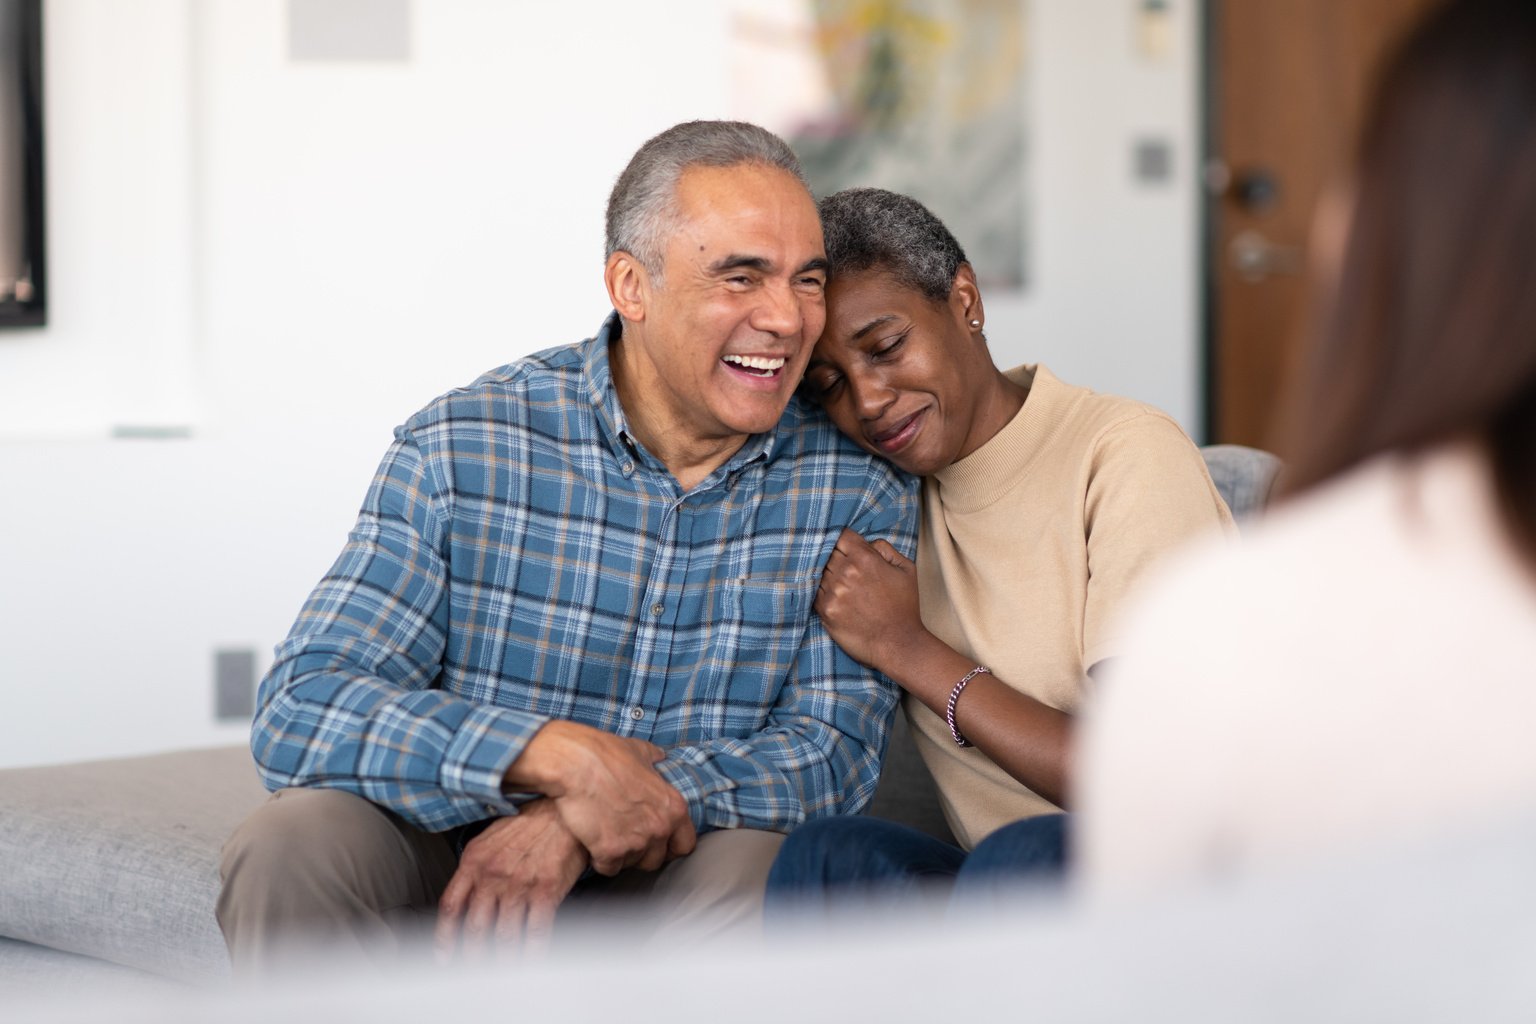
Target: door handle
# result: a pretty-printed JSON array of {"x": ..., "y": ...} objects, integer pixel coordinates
[{"x": 1255, "y": 257}]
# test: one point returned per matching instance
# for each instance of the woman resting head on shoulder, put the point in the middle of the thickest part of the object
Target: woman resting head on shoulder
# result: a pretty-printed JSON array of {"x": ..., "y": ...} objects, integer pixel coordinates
[
  {"x": 1043, "y": 503},
  {"x": 1358, "y": 673}
]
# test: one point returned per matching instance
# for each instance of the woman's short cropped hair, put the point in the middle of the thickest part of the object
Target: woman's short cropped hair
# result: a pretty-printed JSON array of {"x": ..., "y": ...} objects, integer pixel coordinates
[{"x": 872, "y": 229}]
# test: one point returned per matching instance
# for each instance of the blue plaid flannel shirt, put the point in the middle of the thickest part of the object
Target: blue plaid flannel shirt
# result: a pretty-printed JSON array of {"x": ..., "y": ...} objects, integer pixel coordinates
[{"x": 520, "y": 558}]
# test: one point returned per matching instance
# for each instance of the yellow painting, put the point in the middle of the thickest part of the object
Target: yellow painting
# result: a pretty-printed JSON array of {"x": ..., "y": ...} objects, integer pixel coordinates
[{"x": 924, "y": 97}]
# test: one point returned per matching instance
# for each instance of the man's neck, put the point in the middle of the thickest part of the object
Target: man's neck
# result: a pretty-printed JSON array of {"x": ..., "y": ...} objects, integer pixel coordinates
[
  {"x": 689, "y": 458},
  {"x": 656, "y": 423}
]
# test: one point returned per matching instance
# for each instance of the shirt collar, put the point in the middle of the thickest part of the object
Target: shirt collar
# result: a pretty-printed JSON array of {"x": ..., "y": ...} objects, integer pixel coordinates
[{"x": 605, "y": 401}]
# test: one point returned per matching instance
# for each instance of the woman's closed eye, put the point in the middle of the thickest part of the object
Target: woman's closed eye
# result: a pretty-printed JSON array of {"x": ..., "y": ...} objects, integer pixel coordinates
[{"x": 823, "y": 385}]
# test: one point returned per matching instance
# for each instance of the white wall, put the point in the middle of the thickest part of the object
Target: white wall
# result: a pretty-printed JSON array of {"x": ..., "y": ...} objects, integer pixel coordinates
[
  {"x": 289, "y": 258},
  {"x": 1114, "y": 299}
]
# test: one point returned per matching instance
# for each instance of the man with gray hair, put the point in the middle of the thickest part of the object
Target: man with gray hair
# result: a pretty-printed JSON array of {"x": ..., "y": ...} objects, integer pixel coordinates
[{"x": 568, "y": 650}]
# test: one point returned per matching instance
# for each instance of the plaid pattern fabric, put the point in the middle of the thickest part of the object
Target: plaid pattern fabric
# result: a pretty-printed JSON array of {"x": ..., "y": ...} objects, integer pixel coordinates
[{"x": 519, "y": 557}]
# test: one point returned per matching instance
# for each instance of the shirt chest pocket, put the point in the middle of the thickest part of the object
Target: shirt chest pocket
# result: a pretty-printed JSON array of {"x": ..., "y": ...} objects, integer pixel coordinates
[{"x": 760, "y": 623}]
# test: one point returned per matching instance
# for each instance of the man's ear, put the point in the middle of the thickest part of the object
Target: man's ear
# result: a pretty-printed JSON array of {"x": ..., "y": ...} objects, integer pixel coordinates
[
  {"x": 965, "y": 297},
  {"x": 629, "y": 285}
]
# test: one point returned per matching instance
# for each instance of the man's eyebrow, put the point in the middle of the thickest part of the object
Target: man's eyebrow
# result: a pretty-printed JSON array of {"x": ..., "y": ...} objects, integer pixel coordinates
[
  {"x": 736, "y": 261},
  {"x": 879, "y": 321},
  {"x": 761, "y": 264}
]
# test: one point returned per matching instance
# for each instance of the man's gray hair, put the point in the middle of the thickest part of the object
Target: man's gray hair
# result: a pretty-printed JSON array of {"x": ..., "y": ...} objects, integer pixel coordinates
[
  {"x": 872, "y": 229},
  {"x": 642, "y": 208}
]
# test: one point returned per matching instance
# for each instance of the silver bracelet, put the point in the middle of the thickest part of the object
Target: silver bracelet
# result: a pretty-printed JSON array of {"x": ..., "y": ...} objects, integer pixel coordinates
[{"x": 954, "y": 695}]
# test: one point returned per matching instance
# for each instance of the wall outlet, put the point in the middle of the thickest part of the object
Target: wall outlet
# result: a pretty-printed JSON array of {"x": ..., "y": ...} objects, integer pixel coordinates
[{"x": 234, "y": 684}]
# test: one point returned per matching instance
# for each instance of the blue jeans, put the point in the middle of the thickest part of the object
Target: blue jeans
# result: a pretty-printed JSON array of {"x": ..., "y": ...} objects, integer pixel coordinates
[{"x": 857, "y": 862}]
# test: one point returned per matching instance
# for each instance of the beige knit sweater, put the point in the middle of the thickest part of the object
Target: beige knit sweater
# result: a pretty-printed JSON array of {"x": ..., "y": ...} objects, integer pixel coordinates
[{"x": 1027, "y": 550}]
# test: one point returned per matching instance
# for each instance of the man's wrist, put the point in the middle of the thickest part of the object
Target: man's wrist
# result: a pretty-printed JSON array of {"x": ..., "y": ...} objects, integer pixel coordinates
[
  {"x": 543, "y": 764},
  {"x": 557, "y": 830},
  {"x": 690, "y": 784}
]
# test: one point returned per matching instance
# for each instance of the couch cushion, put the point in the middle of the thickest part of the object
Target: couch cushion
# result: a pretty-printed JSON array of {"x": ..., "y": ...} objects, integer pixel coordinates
[
  {"x": 120, "y": 859},
  {"x": 907, "y": 793},
  {"x": 1244, "y": 476},
  {"x": 33, "y": 971}
]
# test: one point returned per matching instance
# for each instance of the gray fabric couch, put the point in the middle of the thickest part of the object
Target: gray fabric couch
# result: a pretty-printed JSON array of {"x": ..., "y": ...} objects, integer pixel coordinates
[
  {"x": 116, "y": 863},
  {"x": 109, "y": 869}
]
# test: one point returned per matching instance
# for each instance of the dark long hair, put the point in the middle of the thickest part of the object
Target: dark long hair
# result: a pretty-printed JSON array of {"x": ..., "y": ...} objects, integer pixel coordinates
[{"x": 1429, "y": 332}]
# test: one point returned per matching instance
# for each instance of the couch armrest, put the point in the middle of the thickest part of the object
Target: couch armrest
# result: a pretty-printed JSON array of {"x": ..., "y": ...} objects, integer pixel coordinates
[{"x": 119, "y": 859}]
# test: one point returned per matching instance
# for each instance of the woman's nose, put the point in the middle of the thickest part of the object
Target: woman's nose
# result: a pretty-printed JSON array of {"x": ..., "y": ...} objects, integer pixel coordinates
[{"x": 871, "y": 395}]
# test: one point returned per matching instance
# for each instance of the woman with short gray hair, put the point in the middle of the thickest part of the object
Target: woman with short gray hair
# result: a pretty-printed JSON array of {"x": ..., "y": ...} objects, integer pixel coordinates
[{"x": 1043, "y": 504}]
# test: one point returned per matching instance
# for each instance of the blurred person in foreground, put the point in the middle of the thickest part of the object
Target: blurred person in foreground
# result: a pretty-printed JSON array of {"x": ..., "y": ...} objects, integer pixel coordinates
[
  {"x": 569, "y": 649},
  {"x": 1043, "y": 504},
  {"x": 1359, "y": 671}
]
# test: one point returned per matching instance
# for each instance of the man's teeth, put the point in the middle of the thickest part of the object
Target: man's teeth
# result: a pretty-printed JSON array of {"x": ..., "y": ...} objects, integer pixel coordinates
[{"x": 760, "y": 363}]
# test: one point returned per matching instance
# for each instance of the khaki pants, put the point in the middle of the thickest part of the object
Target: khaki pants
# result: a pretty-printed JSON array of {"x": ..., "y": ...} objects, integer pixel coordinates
[{"x": 318, "y": 876}]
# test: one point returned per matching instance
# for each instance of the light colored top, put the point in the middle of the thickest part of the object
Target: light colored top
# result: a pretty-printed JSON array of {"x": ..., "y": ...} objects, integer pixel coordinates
[
  {"x": 1357, "y": 671},
  {"x": 1027, "y": 549}
]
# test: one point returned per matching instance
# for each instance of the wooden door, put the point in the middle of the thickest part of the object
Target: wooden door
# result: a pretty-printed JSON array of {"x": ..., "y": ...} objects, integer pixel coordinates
[{"x": 1288, "y": 82}]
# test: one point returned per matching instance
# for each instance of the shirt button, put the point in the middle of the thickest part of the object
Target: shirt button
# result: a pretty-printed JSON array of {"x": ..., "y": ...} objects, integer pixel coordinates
[
  {"x": 657, "y": 609},
  {"x": 628, "y": 467},
  {"x": 637, "y": 713}
]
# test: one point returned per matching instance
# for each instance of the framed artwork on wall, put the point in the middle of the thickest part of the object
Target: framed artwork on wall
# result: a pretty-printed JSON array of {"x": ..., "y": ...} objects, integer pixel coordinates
[
  {"x": 924, "y": 97},
  {"x": 23, "y": 271}
]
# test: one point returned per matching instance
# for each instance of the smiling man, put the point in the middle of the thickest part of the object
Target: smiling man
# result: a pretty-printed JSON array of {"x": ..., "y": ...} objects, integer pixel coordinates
[{"x": 569, "y": 649}]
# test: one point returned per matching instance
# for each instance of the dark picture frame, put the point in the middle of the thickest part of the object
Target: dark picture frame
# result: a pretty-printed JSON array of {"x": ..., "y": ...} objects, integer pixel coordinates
[{"x": 23, "y": 235}]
